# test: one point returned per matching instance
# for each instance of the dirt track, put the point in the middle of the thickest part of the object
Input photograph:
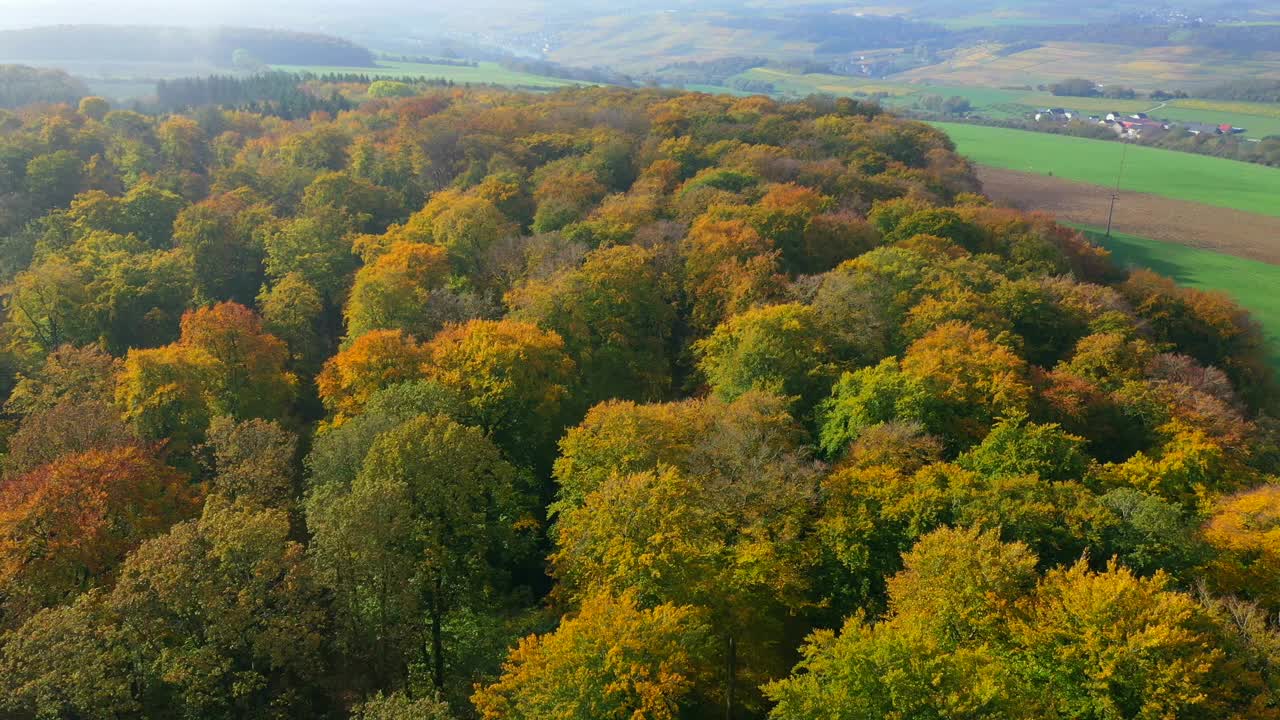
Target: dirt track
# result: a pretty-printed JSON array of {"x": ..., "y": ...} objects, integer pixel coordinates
[{"x": 1203, "y": 226}]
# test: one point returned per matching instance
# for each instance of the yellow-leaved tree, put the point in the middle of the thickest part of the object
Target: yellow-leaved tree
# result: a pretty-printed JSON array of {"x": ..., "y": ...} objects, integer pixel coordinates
[
  {"x": 1245, "y": 530},
  {"x": 613, "y": 660}
]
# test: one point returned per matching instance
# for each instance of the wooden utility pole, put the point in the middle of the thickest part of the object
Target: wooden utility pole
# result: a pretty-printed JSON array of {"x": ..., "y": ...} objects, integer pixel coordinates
[{"x": 1115, "y": 195}]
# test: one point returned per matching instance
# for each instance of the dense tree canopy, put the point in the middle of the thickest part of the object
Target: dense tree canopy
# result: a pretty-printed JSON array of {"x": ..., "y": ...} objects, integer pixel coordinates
[{"x": 604, "y": 403}]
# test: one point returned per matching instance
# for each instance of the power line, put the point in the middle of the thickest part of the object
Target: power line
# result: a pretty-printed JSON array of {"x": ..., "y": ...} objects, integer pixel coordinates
[{"x": 1115, "y": 195}]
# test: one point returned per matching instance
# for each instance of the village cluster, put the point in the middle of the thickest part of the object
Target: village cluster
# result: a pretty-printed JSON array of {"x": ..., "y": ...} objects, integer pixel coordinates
[{"x": 1135, "y": 125}]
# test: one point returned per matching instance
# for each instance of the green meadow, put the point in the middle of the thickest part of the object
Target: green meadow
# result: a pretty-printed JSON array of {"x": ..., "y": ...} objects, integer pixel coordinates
[
  {"x": 1251, "y": 283},
  {"x": 1177, "y": 175}
]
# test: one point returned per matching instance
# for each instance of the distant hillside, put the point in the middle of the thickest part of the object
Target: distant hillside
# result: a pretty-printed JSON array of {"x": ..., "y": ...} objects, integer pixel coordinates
[
  {"x": 835, "y": 33},
  {"x": 108, "y": 43},
  {"x": 21, "y": 85},
  {"x": 1237, "y": 39}
]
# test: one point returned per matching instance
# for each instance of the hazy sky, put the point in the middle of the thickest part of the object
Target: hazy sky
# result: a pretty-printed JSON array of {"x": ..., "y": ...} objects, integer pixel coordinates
[
  {"x": 20, "y": 13},
  {"x": 331, "y": 15},
  {"x": 277, "y": 13}
]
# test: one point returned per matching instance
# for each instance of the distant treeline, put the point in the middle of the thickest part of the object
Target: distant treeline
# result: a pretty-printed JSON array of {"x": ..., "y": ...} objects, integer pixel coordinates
[
  {"x": 546, "y": 68},
  {"x": 428, "y": 60},
  {"x": 21, "y": 85},
  {"x": 274, "y": 93},
  {"x": 282, "y": 94},
  {"x": 1083, "y": 87},
  {"x": 760, "y": 87},
  {"x": 802, "y": 67},
  {"x": 710, "y": 72},
  {"x": 101, "y": 43},
  {"x": 1247, "y": 89}
]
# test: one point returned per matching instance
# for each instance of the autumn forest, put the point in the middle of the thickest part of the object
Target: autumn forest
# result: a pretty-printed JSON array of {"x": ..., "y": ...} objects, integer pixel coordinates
[{"x": 606, "y": 404}]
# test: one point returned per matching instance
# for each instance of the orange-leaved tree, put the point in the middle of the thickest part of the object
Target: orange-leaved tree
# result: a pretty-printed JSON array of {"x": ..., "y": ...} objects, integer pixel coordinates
[
  {"x": 224, "y": 363},
  {"x": 66, "y": 526},
  {"x": 374, "y": 361}
]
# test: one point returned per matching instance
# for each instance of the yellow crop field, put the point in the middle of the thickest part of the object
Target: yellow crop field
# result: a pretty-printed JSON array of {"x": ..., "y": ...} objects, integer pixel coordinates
[
  {"x": 1095, "y": 105},
  {"x": 1150, "y": 66},
  {"x": 1228, "y": 106},
  {"x": 1144, "y": 69}
]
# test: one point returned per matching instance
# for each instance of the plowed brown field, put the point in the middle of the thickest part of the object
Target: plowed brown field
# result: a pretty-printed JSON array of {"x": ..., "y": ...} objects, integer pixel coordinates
[{"x": 1233, "y": 232}]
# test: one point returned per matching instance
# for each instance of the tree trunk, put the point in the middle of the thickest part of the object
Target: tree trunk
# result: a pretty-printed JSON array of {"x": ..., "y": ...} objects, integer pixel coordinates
[
  {"x": 731, "y": 677},
  {"x": 381, "y": 670},
  {"x": 437, "y": 641}
]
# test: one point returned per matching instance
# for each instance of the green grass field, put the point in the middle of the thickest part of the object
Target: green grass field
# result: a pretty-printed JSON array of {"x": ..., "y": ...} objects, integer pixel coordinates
[
  {"x": 1177, "y": 175},
  {"x": 1250, "y": 282},
  {"x": 485, "y": 73}
]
